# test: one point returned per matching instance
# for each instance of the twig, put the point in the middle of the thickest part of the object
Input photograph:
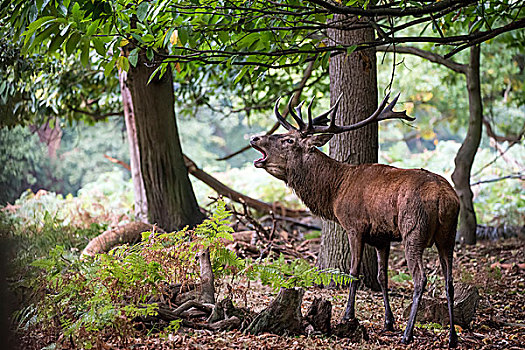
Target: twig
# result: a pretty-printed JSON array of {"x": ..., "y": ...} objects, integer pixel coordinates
[{"x": 514, "y": 176}]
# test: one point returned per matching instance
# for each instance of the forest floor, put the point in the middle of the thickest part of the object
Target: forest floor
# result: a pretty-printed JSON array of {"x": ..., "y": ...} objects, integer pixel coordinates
[{"x": 496, "y": 268}]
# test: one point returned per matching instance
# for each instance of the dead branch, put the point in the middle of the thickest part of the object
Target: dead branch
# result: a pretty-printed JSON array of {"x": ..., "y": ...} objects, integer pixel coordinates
[
  {"x": 117, "y": 161},
  {"x": 225, "y": 191}
]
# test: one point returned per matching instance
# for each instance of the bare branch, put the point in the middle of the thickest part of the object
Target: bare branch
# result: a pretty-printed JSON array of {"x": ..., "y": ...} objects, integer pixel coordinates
[
  {"x": 430, "y": 56},
  {"x": 513, "y": 176}
]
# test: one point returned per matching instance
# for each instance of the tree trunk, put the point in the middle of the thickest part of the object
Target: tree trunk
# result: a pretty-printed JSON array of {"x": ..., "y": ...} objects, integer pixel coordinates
[
  {"x": 169, "y": 193},
  {"x": 355, "y": 76},
  {"x": 141, "y": 204},
  {"x": 467, "y": 152}
]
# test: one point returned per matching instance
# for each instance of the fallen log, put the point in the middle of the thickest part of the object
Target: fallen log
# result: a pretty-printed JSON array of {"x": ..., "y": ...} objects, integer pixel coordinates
[
  {"x": 225, "y": 191},
  {"x": 128, "y": 233}
]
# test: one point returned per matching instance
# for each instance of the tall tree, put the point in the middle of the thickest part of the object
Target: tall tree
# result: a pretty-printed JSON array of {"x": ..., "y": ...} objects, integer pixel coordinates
[
  {"x": 465, "y": 156},
  {"x": 171, "y": 202},
  {"x": 354, "y": 76}
]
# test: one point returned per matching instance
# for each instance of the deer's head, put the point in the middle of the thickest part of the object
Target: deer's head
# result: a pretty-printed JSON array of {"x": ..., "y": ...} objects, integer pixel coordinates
[{"x": 280, "y": 152}]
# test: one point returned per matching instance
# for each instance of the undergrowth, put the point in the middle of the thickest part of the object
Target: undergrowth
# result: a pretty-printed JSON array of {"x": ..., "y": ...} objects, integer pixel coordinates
[{"x": 84, "y": 301}]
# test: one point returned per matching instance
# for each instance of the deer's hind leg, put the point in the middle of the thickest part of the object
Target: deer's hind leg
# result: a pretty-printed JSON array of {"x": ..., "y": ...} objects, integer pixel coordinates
[
  {"x": 446, "y": 250},
  {"x": 414, "y": 248},
  {"x": 382, "y": 277}
]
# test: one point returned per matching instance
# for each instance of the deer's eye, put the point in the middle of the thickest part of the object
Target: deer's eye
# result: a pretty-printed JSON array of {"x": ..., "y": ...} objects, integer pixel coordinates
[{"x": 290, "y": 141}]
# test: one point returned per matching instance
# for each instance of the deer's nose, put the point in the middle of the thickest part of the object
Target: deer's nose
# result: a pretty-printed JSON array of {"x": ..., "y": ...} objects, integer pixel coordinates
[{"x": 254, "y": 138}]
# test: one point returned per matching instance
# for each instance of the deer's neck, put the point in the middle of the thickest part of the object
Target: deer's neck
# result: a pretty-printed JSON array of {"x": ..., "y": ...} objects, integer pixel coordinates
[{"x": 316, "y": 179}]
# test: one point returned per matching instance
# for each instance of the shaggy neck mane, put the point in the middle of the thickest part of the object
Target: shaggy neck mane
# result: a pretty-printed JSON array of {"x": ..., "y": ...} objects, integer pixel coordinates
[{"x": 316, "y": 179}]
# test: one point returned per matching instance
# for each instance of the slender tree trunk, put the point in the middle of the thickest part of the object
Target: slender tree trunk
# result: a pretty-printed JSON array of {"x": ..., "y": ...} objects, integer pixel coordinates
[
  {"x": 141, "y": 204},
  {"x": 356, "y": 77},
  {"x": 467, "y": 151},
  {"x": 170, "y": 198}
]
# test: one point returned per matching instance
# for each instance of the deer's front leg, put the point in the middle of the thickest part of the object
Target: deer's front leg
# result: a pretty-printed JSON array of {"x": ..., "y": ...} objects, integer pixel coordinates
[{"x": 356, "y": 250}]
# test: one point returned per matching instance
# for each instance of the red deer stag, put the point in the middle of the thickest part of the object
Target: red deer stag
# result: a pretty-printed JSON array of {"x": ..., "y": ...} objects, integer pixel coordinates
[{"x": 374, "y": 203}]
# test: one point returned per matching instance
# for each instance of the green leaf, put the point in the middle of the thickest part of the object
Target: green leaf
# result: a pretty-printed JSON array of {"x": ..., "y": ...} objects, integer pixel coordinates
[
  {"x": 92, "y": 28},
  {"x": 350, "y": 49},
  {"x": 99, "y": 46},
  {"x": 158, "y": 72},
  {"x": 39, "y": 23},
  {"x": 3, "y": 85},
  {"x": 224, "y": 36},
  {"x": 109, "y": 67},
  {"x": 123, "y": 63},
  {"x": 57, "y": 41},
  {"x": 241, "y": 74},
  {"x": 134, "y": 56},
  {"x": 43, "y": 36},
  {"x": 183, "y": 35},
  {"x": 84, "y": 55},
  {"x": 72, "y": 42},
  {"x": 149, "y": 53},
  {"x": 248, "y": 40},
  {"x": 142, "y": 11},
  {"x": 148, "y": 38}
]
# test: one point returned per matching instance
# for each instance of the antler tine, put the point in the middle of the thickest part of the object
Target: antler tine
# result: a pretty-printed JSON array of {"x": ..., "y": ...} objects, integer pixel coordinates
[
  {"x": 310, "y": 121},
  {"x": 335, "y": 108},
  {"x": 388, "y": 112},
  {"x": 381, "y": 113},
  {"x": 297, "y": 119},
  {"x": 322, "y": 118},
  {"x": 280, "y": 118}
]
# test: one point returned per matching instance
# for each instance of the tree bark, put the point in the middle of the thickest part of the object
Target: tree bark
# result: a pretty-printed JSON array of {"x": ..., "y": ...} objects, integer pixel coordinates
[
  {"x": 355, "y": 76},
  {"x": 169, "y": 193},
  {"x": 141, "y": 204},
  {"x": 467, "y": 151}
]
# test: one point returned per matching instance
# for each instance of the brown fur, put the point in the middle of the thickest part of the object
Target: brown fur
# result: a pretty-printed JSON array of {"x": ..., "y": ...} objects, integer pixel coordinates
[{"x": 375, "y": 204}]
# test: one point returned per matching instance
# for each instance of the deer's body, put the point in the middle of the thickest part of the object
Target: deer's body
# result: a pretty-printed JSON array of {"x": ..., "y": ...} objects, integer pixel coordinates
[
  {"x": 375, "y": 204},
  {"x": 384, "y": 202}
]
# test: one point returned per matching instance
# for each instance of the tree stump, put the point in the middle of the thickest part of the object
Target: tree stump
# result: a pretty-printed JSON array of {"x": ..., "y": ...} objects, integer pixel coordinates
[
  {"x": 351, "y": 329},
  {"x": 319, "y": 315},
  {"x": 435, "y": 310},
  {"x": 283, "y": 316}
]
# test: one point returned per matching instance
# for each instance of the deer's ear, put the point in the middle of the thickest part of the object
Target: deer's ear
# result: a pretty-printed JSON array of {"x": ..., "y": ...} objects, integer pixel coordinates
[{"x": 319, "y": 140}]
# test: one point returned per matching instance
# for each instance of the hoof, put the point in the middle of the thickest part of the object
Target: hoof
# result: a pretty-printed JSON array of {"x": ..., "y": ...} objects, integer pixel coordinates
[
  {"x": 388, "y": 327},
  {"x": 452, "y": 342},
  {"x": 351, "y": 329},
  {"x": 406, "y": 340}
]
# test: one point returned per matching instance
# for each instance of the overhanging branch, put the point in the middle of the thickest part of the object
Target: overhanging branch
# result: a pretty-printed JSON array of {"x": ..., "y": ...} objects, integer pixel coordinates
[
  {"x": 435, "y": 6},
  {"x": 430, "y": 56}
]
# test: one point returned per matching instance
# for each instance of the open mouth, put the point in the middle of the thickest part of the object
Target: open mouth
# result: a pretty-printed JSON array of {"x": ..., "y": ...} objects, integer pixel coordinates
[{"x": 259, "y": 163}]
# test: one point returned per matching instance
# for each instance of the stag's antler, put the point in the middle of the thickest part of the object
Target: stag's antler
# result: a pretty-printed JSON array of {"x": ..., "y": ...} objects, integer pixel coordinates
[{"x": 318, "y": 125}]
